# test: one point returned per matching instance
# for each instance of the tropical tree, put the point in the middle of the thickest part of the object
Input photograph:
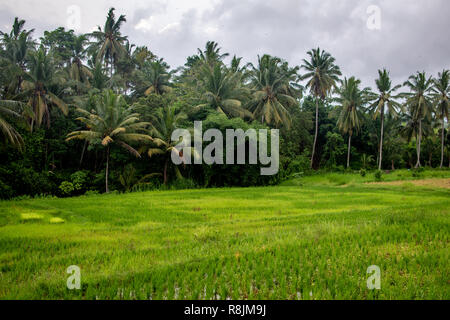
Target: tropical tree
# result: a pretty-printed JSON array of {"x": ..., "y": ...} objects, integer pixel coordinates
[
  {"x": 17, "y": 45},
  {"x": 78, "y": 71},
  {"x": 385, "y": 98},
  {"x": 40, "y": 88},
  {"x": 111, "y": 122},
  {"x": 440, "y": 95},
  {"x": 275, "y": 90},
  {"x": 10, "y": 109},
  {"x": 211, "y": 54},
  {"x": 223, "y": 92},
  {"x": 350, "y": 101},
  {"x": 109, "y": 43},
  {"x": 154, "y": 77},
  {"x": 163, "y": 122},
  {"x": 322, "y": 75},
  {"x": 420, "y": 104}
]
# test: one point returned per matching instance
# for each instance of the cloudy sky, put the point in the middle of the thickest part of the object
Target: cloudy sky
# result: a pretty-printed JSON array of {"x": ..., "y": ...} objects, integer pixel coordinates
[{"x": 363, "y": 35}]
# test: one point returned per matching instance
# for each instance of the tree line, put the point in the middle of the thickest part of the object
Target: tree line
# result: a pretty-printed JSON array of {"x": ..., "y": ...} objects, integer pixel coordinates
[{"x": 93, "y": 112}]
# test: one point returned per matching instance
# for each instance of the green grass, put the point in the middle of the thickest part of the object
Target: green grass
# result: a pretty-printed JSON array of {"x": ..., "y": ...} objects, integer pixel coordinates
[
  {"x": 341, "y": 179},
  {"x": 310, "y": 242}
]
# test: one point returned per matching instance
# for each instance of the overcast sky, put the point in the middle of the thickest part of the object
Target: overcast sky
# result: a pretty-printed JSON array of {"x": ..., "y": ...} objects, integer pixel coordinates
[{"x": 413, "y": 34}]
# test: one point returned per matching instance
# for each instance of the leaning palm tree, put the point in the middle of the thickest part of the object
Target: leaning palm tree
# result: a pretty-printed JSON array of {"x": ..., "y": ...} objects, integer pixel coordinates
[
  {"x": 10, "y": 109},
  {"x": 441, "y": 97},
  {"x": 40, "y": 88},
  {"x": 223, "y": 92},
  {"x": 111, "y": 122},
  {"x": 109, "y": 43},
  {"x": 275, "y": 91},
  {"x": 385, "y": 98},
  {"x": 350, "y": 100},
  {"x": 420, "y": 104},
  {"x": 322, "y": 75},
  {"x": 163, "y": 122}
]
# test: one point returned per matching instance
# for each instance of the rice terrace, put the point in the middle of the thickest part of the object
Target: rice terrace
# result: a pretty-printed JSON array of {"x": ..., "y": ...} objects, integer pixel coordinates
[
  {"x": 214, "y": 156},
  {"x": 310, "y": 240}
]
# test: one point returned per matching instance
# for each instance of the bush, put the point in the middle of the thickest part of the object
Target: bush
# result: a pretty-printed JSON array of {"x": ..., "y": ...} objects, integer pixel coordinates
[
  {"x": 79, "y": 180},
  {"x": 363, "y": 172},
  {"x": 378, "y": 175},
  {"x": 66, "y": 188}
]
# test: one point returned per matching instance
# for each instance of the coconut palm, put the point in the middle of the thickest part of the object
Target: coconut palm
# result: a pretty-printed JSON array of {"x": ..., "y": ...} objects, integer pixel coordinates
[
  {"x": 223, "y": 92},
  {"x": 211, "y": 54},
  {"x": 154, "y": 77},
  {"x": 109, "y": 43},
  {"x": 163, "y": 122},
  {"x": 78, "y": 71},
  {"x": 111, "y": 122},
  {"x": 275, "y": 91},
  {"x": 420, "y": 104},
  {"x": 385, "y": 98},
  {"x": 441, "y": 94},
  {"x": 350, "y": 101},
  {"x": 40, "y": 88},
  {"x": 17, "y": 45},
  {"x": 322, "y": 75},
  {"x": 10, "y": 109}
]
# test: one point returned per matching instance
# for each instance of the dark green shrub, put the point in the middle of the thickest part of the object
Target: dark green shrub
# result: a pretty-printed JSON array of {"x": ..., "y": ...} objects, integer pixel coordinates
[{"x": 378, "y": 175}]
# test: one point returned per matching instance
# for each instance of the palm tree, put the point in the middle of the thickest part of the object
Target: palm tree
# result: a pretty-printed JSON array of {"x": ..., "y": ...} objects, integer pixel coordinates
[
  {"x": 40, "y": 85},
  {"x": 78, "y": 71},
  {"x": 441, "y": 94},
  {"x": 10, "y": 109},
  {"x": 275, "y": 90},
  {"x": 322, "y": 75},
  {"x": 223, "y": 92},
  {"x": 17, "y": 45},
  {"x": 211, "y": 55},
  {"x": 111, "y": 122},
  {"x": 384, "y": 98},
  {"x": 154, "y": 77},
  {"x": 109, "y": 41},
  {"x": 351, "y": 99},
  {"x": 420, "y": 104},
  {"x": 163, "y": 122}
]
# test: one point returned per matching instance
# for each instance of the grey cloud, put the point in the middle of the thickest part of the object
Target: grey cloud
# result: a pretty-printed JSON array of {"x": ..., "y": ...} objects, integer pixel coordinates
[{"x": 413, "y": 35}]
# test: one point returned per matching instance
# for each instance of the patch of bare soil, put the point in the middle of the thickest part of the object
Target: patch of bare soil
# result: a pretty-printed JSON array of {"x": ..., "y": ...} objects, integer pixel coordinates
[{"x": 435, "y": 183}]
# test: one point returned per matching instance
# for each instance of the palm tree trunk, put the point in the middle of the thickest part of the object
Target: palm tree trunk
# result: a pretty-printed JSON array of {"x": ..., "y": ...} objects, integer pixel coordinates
[
  {"x": 316, "y": 133},
  {"x": 442, "y": 142},
  {"x": 82, "y": 152},
  {"x": 107, "y": 169},
  {"x": 165, "y": 171},
  {"x": 419, "y": 141},
  {"x": 393, "y": 167},
  {"x": 380, "y": 160},
  {"x": 349, "y": 149}
]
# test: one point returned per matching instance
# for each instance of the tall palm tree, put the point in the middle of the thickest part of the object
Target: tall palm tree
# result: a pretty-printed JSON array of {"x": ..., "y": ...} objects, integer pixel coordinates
[
  {"x": 17, "y": 44},
  {"x": 441, "y": 97},
  {"x": 223, "y": 92},
  {"x": 163, "y": 122},
  {"x": 211, "y": 54},
  {"x": 275, "y": 90},
  {"x": 350, "y": 100},
  {"x": 10, "y": 108},
  {"x": 384, "y": 98},
  {"x": 154, "y": 77},
  {"x": 111, "y": 122},
  {"x": 78, "y": 71},
  {"x": 420, "y": 104},
  {"x": 40, "y": 85},
  {"x": 109, "y": 43},
  {"x": 322, "y": 75}
]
